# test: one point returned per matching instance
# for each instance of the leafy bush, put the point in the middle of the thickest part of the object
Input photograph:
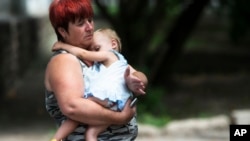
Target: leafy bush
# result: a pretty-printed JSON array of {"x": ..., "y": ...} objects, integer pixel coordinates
[{"x": 151, "y": 108}]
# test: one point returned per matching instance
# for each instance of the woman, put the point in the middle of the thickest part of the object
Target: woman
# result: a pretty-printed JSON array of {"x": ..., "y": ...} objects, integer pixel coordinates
[{"x": 73, "y": 24}]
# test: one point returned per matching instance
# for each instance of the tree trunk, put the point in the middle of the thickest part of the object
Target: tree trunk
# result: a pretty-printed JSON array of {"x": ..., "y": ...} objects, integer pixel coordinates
[{"x": 183, "y": 27}]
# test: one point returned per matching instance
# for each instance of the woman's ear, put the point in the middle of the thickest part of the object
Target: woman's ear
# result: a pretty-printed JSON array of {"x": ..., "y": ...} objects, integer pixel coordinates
[{"x": 62, "y": 32}]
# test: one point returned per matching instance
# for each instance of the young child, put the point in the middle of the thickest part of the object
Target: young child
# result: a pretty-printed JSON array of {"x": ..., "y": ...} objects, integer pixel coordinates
[{"x": 107, "y": 85}]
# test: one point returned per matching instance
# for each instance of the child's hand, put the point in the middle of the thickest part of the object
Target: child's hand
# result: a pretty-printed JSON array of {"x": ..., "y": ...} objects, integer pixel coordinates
[
  {"x": 142, "y": 77},
  {"x": 134, "y": 83},
  {"x": 57, "y": 45}
]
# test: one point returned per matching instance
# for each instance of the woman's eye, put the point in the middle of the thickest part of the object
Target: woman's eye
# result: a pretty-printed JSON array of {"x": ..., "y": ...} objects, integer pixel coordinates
[
  {"x": 90, "y": 20},
  {"x": 80, "y": 22}
]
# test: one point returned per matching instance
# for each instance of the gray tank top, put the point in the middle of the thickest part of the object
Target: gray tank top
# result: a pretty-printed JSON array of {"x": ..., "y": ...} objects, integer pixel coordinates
[{"x": 126, "y": 132}]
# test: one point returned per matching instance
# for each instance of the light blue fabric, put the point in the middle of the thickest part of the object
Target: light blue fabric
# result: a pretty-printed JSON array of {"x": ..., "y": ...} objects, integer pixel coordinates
[{"x": 108, "y": 82}]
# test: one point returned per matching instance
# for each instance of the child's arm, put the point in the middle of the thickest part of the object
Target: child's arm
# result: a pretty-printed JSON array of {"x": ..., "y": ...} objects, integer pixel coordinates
[
  {"x": 142, "y": 77},
  {"x": 136, "y": 80},
  {"x": 65, "y": 129},
  {"x": 83, "y": 54}
]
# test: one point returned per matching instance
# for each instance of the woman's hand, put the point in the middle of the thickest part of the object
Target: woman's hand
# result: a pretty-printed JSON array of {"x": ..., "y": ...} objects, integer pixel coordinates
[
  {"x": 134, "y": 83},
  {"x": 128, "y": 112}
]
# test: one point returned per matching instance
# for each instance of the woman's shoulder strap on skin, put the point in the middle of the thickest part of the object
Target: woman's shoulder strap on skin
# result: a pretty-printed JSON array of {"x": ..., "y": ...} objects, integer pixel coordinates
[{"x": 59, "y": 52}]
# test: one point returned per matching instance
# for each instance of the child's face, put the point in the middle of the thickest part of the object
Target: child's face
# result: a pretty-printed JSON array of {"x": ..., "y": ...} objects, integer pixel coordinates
[{"x": 101, "y": 42}]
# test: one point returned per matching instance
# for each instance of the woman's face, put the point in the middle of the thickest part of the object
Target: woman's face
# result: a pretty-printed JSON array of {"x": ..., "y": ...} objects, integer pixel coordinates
[{"x": 80, "y": 33}]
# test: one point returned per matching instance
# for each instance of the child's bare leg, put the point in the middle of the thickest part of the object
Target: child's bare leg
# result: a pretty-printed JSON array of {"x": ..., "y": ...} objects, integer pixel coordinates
[
  {"x": 65, "y": 129},
  {"x": 93, "y": 131}
]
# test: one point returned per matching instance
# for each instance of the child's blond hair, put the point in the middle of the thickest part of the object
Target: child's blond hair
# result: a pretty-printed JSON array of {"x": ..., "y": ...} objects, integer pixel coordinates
[{"x": 112, "y": 35}]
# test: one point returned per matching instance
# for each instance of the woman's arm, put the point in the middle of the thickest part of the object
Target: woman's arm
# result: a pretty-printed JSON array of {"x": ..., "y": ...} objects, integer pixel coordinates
[{"x": 64, "y": 78}]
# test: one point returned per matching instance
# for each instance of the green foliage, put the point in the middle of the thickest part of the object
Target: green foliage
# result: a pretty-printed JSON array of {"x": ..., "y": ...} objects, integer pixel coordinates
[
  {"x": 152, "y": 109},
  {"x": 111, "y": 9},
  {"x": 205, "y": 115},
  {"x": 152, "y": 102},
  {"x": 158, "y": 121}
]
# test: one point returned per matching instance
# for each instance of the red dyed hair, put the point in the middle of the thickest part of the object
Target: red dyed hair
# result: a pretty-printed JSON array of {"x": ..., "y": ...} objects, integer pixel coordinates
[{"x": 61, "y": 12}]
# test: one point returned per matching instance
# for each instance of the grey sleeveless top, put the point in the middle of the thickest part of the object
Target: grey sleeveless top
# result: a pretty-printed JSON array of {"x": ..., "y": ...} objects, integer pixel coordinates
[{"x": 126, "y": 132}]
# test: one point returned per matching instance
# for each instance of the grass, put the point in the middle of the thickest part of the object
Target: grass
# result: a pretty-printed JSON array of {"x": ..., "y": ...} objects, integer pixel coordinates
[{"x": 158, "y": 121}]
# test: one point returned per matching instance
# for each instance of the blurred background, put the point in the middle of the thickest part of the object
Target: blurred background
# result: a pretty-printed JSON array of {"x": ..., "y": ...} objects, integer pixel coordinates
[{"x": 195, "y": 54}]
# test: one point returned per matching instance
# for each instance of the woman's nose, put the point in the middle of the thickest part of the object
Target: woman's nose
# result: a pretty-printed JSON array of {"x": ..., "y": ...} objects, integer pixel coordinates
[{"x": 90, "y": 26}]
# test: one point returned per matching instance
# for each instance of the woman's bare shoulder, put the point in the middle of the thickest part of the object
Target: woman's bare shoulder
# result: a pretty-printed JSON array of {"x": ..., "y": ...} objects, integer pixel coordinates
[
  {"x": 61, "y": 69},
  {"x": 62, "y": 63}
]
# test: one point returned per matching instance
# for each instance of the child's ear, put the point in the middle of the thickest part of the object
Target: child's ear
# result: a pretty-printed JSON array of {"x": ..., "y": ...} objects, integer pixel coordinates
[{"x": 114, "y": 44}]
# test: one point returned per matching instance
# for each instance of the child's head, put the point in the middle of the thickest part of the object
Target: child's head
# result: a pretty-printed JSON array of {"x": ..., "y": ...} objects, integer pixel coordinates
[{"x": 106, "y": 39}]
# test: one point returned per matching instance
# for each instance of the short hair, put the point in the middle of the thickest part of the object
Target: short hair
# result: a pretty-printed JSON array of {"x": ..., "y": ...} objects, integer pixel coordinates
[
  {"x": 61, "y": 12},
  {"x": 112, "y": 35}
]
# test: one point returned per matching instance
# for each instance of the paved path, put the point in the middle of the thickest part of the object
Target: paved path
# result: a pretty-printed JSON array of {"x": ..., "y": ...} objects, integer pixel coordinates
[{"x": 40, "y": 132}]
